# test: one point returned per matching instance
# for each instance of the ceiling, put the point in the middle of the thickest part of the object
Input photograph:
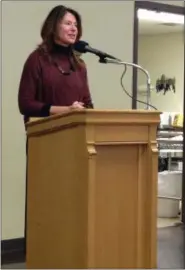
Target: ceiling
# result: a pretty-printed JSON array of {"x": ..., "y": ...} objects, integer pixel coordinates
[{"x": 151, "y": 28}]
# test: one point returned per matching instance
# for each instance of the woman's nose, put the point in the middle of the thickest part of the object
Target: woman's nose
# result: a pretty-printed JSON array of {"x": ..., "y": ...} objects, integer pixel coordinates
[{"x": 73, "y": 27}]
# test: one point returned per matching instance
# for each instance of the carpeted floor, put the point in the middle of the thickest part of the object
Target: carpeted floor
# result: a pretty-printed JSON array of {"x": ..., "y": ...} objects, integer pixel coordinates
[{"x": 171, "y": 249}]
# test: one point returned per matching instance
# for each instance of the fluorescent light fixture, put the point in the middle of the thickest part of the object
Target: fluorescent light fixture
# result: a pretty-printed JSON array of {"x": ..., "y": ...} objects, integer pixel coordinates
[{"x": 162, "y": 17}]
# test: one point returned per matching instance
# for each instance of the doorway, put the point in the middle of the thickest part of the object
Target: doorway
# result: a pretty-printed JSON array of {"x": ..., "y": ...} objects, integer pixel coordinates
[{"x": 159, "y": 48}]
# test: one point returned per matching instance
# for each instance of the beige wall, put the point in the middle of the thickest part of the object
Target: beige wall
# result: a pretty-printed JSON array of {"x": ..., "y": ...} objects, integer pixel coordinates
[
  {"x": 163, "y": 54},
  {"x": 107, "y": 26}
]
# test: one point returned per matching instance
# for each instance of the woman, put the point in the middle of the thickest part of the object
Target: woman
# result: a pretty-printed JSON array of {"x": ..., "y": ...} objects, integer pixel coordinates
[{"x": 54, "y": 78}]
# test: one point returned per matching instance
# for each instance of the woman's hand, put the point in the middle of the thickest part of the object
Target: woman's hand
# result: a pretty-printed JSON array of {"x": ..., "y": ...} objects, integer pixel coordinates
[
  {"x": 63, "y": 109},
  {"x": 77, "y": 105}
]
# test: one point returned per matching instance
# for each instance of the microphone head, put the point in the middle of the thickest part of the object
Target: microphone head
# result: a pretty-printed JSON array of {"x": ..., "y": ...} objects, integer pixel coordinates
[{"x": 80, "y": 46}]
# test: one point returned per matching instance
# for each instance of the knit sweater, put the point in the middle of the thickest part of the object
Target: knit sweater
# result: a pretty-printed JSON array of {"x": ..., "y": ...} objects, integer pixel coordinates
[{"x": 46, "y": 83}]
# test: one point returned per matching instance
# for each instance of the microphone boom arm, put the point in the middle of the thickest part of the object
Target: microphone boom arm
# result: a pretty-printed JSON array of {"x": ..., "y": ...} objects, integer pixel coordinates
[{"x": 119, "y": 62}]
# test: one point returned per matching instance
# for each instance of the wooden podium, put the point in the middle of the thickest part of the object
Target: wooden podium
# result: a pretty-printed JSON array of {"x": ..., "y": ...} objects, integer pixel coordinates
[{"x": 92, "y": 190}]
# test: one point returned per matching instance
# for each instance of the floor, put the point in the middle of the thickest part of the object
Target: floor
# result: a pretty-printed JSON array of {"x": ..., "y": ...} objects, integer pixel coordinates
[
  {"x": 171, "y": 248},
  {"x": 14, "y": 266}
]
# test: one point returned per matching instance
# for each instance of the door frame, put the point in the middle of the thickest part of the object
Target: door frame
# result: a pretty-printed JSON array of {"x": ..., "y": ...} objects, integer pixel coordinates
[{"x": 156, "y": 6}]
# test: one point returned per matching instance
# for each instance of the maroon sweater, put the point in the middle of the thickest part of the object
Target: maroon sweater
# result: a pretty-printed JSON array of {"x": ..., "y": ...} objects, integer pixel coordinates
[{"x": 43, "y": 84}]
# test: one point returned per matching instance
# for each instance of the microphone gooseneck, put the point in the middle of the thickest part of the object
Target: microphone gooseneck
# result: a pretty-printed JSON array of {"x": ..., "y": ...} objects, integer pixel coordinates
[{"x": 147, "y": 103}]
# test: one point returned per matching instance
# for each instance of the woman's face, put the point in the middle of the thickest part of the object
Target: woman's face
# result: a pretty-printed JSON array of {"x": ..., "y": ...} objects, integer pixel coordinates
[{"x": 67, "y": 30}]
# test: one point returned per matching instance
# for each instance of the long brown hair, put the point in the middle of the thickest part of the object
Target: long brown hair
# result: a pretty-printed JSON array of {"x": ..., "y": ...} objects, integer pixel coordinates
[{"x": 49, "y": 27}]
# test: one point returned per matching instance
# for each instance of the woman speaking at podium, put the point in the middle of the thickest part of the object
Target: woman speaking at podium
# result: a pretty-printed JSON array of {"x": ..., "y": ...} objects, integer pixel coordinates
[{"x": 54, "y": 79}]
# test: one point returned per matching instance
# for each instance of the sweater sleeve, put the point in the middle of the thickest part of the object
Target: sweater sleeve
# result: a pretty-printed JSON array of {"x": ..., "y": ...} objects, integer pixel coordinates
[
  {"x": 87, "y": 96},
  {"x": 28, "y": 87}
]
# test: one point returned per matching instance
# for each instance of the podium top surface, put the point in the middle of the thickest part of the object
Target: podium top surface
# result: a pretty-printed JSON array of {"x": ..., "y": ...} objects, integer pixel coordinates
[{"x": 92, "y": 116}]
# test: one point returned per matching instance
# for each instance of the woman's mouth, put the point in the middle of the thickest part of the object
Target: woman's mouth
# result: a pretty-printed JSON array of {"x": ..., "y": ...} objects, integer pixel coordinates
[{"x": 72, "y": 36}]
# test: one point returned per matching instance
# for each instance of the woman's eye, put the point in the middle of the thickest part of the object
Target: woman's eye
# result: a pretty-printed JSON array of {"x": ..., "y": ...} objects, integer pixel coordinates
[{"x": 70, "y": 23}]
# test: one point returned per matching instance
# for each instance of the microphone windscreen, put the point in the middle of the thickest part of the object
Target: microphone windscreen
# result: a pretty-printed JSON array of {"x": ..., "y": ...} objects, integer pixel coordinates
[{"x": 80, "y": 45}]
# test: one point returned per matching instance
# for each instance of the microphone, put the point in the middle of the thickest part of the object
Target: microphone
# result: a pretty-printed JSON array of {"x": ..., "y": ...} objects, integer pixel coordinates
[{"x": 83, "y": 47}]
